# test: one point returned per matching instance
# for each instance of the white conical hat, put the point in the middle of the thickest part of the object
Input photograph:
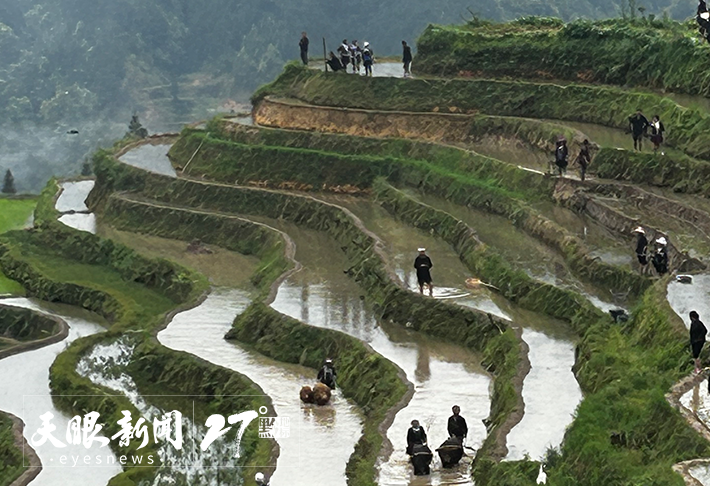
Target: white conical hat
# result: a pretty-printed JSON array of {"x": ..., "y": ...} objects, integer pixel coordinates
[
  {"x": 662, "y": 241},
  {"x": 421, "y": 249},
  {"x": 639, "y": 229}
]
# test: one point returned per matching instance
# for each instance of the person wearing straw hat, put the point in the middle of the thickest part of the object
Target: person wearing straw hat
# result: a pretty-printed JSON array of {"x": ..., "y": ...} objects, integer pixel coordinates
[
  {"x": 641, "y": 247},
  {"x": 423, "y": 266},
  {"x": 660, "y": 257}
]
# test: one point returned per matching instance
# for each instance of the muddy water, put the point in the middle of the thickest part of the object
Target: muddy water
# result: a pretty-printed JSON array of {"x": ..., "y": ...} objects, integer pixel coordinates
[
  {"x": 443, "y": 374},
  {"x": 26, "y": 395},
  {"x": 517, "y": 153},
  {"x": 321, "y": 439},
  {"x": 551, "y": 360},
  {"x": 153, "y": 158}
]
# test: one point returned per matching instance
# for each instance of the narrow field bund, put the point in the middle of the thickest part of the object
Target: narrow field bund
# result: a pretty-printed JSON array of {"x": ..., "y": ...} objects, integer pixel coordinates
[
  {"x": 25, "y": 329},
  {"x": 462, "y": 189},
  {"x": 501, "y": 348},
  {"x": 601, "y": 105}
]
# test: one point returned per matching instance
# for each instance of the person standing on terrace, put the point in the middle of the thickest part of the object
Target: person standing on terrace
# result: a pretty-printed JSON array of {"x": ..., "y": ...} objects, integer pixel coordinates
[
  {"x": 303, "y": 44},
  {"x": 638, "y": 125},
  {"x": 583, "y": 159},
  {"x": 406, "y": 58},
  {"x": 698, "y": 331},
  {"x": 657, "y": 130}
]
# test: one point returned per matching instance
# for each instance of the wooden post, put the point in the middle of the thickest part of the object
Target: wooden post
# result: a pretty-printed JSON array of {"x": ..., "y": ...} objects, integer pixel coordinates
[{"x": 325, "y": 56}]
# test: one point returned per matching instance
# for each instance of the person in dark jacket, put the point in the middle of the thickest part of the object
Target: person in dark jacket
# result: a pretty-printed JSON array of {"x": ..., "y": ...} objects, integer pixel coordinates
[
  {"x": 657, "y": 130},
  {"x": 660, "y": 257},
  {"x": 368, "y": 58},
  {"x": 423, "y": 266},
  {"x": 303, "y": 44},
  {"x": 641, "y": 248},
  {"x": 344, "y": 51},
  {"x": 638, "y": 125},
  {"x": 457, "y": 425},
  {"x": 415, "y": 436},
  {"x": 406, "y": 58},
  {"x": 698, "y": 331},
  {"x": 561, "y": 154},
  {"x": 333, "y": 62},
  {"x": 583, "y": 158},
  {"x": 327, "y": 374}
]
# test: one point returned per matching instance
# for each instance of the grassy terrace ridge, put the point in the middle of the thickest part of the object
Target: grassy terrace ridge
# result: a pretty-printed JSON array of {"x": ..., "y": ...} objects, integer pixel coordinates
[
  {"x": 11, "y": 459},
  {"x": 489, "y": 193},
  {"x": 133, "y": 293},
  {"x": 24, "y": 329},
  {"x": 643, "y": 52},
  {"x": 601, "y": 105},
  {"x": 14, "y": 213},
  {"x": 501, "y": 348}
]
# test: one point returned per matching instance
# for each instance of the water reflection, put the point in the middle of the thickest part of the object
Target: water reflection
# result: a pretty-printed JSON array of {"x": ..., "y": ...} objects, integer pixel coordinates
[{"x": 153, "y": 158}]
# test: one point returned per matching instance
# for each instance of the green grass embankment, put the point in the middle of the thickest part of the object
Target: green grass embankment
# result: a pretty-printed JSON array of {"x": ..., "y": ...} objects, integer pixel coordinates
[
  {"x": 500, "y": 348},
  {"x": 14, "y": 213},
  {"x": 599, "y": 105},
  {"x": 11, "y": 458},
  {"x": 651, "y": 53},
  {"x": 490, "y": 194},
  {"x": 134, "y": 293}
]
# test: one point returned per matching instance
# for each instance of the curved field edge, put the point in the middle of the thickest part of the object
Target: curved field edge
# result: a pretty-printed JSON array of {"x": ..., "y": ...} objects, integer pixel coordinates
[
  {"x": 501, "y": 348},
  {"x": 27, "y": 329},
  {"x": 601, "y": 105},
  {"x": 178, "y": 372},
  {"x": 462, "y": 186}
]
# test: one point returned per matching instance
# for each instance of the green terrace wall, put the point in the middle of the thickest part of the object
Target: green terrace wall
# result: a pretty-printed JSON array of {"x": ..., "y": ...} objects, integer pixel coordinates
[
  {"x": 591, "y": 104},
  {"x": 454, "y": 159},
  {"x": 460, "y": 189},
  {"x": 228, "y": 232},
  {"x": 480, "y": 332},
  {"x": 370, "y": 380},
  {"x": 175, "y": 373},
  {"x": 23, "y": 324},
  {"x": 11, "y": 457},
  {"x": 681, "y": 173},
  {"x": 82, "y": 246},
  {"x": 625, "y": 431},
  {"x": 515, "y": 285},
  {"x": 659, "y": 54}
]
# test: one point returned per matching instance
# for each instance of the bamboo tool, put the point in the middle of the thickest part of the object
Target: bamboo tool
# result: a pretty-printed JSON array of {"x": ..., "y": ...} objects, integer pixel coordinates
[
  {"x": 325, "y": 56},
  {"x": 473, "y": 283}
]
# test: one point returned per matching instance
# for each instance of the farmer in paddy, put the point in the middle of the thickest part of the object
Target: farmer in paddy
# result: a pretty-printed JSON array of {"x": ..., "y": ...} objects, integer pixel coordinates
[
  {"x": 698, "y": 331},
  {"x": 638, "y": 125},
  {"x": 423, "y": 266},
  {"x": 660, "y": 257}
]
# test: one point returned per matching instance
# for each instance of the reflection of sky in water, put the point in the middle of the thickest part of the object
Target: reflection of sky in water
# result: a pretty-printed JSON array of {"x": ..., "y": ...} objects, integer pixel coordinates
[
  {"x": 153, "y": 158},
  {"x": 27, "y": 395},
  {"x": 73, "y": 196},
  {"x": 440, "y": 381},
  {"x": 697, "y": 400},
  {"x": 323, "y": 436},
  {"x": 684, "y": 298},
  {"x": 80, "y": 221}
]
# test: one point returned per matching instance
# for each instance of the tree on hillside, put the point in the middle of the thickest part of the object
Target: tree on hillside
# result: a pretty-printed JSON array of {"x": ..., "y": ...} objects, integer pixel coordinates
[{"x": 8, "y": 186}]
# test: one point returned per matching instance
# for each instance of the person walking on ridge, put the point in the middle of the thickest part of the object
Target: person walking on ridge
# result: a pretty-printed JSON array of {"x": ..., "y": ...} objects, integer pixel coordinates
[
  {"x": 657, "y": 130},
  {"x": 660, "y": 257},
  {"x": 583, "y": 159},
  {"x": 406, "y": 58},
  {"x": 641, "y": 248},
  {"x": 561, "y": 154},
  {"x": 698, "y": 331},
  {"x": 457, "y": 425},
  {"x": 423, "y": 266},
  {"x": 638, "y": 125},
  {"x": 356, "y": 56},
  {"x": 303, "y": 44}
]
